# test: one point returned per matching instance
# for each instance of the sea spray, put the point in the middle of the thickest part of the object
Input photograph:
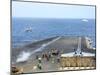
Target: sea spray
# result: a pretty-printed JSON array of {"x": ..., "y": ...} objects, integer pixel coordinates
[{"x": 25, "y": 55}]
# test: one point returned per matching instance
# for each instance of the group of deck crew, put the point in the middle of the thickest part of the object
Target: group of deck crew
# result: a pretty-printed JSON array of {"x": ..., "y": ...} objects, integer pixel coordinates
[{"x": 48, "y": 56}]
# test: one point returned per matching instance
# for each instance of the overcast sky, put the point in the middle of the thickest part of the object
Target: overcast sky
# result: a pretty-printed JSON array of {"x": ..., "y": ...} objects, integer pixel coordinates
[{"x": 44, "y": 10}]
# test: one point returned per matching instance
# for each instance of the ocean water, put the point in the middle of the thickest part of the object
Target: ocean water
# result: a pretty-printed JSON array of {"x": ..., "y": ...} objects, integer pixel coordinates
[{"x": 42, "y": 28}]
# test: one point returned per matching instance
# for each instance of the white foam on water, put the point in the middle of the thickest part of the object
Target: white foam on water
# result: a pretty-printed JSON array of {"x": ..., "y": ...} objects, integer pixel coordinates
[{"x": 25, "y": 55}]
